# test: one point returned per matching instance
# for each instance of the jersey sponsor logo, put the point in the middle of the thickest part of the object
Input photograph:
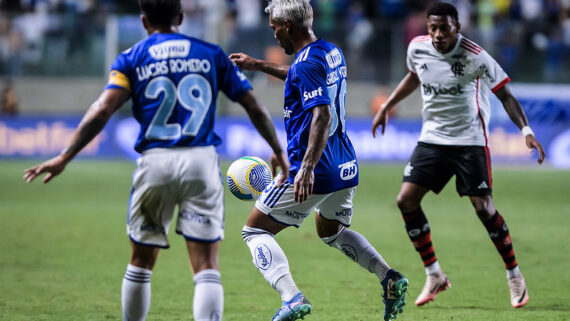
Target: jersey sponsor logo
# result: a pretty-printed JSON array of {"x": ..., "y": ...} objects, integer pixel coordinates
[
  {"x": 313, "y": 94},
  {"x": 459, "y": 56},
  {"x": 485, "y": 70},
  {"x": 287, "y": 113},
  {"x": 296, "y": 215},
  {"x": 348, "y": 170},
  {"x": 334, "y": 59},
  {"x": 430, "y": 89},
  {"x": 195, "y": 217},
  {"x": 457, "y": 69},
  {"x": 349, "y": 251},
  {"x": 263, "y": 257},
  {"x": 421, "y": 52},
  {"x": 170, "y": 49},
  {"x": 344, "y": 212}
]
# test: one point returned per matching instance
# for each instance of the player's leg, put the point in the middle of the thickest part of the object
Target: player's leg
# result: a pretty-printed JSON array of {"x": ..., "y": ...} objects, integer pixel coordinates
[
  {"x": 150, "y": 212},
  {"x": 332, "y": 220},
  {"x": 135, "y": 289},
  {"x": 201, "y": 222},
  {"x": 208, "y": 290},
  {"x": 500, "y": 236},
  {"x": 427, "y": 170},
  {"x": 275, "y": 210},
  {"x": 474, "y": 178}
]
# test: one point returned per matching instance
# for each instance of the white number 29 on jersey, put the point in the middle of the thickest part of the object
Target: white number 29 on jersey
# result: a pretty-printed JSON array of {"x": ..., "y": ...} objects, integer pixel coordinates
[{"x": 193, "y": 93}]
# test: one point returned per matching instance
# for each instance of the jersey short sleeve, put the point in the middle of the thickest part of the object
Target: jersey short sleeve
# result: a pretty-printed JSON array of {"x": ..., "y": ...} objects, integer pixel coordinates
[
  {"x": 232, "y": 81},
  {"x": 409, "y": 60},
  {"x": 118, "y": 74},
  {"x": 310, "y": 79},
  {"x": 491, "y": 72}
]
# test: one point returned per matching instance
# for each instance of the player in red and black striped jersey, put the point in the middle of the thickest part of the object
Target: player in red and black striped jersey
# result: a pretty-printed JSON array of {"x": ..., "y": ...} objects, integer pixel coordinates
[{"x": 456, "y": 76}]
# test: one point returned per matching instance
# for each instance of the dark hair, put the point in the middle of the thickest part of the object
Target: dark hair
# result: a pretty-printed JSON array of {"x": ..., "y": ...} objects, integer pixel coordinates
[
  {"x": 442, "y": 9},
  {"x": 160, "y": 12}
]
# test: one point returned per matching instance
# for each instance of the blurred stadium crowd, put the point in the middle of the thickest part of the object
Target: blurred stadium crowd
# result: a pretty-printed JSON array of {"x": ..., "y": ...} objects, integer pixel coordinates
[{"x": 530, "y": 38}]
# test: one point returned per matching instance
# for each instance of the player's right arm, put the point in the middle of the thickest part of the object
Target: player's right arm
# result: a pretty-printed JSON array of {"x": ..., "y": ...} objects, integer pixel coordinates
[
  {"x": 92, "y": 123},
  {"x": 259, "y": 116},
  {"x": 410, "y": 83},
  {"x": 318, "y": 137},
  {"x": 245, "y": 62}
]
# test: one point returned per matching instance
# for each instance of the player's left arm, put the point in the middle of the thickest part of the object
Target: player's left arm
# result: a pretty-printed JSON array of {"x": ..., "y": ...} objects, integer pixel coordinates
[
  {"x": 90, "y": 126},
  {"x": 517, "y": 115},
  {"x": 318, "y": 136}
]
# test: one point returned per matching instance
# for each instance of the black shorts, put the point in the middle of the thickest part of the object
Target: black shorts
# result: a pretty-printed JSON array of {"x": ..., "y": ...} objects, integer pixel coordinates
[{"x": 432, "y": 166}]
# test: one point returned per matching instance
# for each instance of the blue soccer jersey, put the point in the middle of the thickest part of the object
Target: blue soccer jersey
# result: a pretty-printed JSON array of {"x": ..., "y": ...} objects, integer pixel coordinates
[
  {"x": 318, "y": 77},
  {"x": 174, "y": 80}
]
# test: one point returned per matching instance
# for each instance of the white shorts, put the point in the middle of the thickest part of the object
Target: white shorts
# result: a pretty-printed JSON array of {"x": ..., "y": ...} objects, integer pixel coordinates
[
  {"x": 278, "y": 203},
  {"x": 167, "y": 177}
]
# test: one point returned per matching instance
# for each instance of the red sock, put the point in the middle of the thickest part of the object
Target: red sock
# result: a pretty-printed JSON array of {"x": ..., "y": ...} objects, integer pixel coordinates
[
  {"x": 499, "y": 234},
  {"x": 420, "y": 235}
]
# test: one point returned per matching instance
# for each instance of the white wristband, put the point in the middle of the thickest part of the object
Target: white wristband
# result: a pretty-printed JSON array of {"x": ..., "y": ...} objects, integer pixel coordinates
[{"x": 526, "y": 130}]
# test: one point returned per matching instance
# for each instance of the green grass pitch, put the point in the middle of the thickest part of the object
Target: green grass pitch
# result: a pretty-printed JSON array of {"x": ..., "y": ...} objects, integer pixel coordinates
[{"x": 64, "y": 251}]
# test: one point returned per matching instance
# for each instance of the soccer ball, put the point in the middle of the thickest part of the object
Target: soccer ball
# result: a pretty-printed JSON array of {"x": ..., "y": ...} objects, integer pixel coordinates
[{"x": 247, "y": 177}]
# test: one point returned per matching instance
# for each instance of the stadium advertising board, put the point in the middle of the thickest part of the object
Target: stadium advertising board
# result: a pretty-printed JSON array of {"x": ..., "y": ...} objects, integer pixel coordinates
[{"x": 41, "y": 137}]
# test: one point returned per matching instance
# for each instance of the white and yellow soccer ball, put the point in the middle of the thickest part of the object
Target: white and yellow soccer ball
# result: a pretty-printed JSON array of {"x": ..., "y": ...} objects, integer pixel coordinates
[{"x": 247, "y": 177}]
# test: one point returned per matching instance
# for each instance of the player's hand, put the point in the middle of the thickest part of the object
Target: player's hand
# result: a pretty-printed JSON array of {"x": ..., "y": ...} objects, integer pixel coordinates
[
  {"x": 304, "y": 181},
  {"x": 244, "y": 62},
  {"x": 280, "y": 160},
  {"x": 380, "y": 119},
  {"x": 52, "y": 167},
  {"x": 532, "y": 143}
]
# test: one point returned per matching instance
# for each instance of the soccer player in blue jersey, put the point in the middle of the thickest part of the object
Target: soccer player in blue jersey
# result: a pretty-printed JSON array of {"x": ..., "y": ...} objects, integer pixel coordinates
[
  {"x": 324, "y": 172},
  {"x": 173, "y": 81}
]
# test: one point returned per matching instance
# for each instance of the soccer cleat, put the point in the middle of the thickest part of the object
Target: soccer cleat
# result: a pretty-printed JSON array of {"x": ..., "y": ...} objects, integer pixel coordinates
[
  {"x": 395, "y": 286},
  {"x": 435, "y": 283},
  {"x": 296, "y": 308},
  {"x": 519, "y": 293}
]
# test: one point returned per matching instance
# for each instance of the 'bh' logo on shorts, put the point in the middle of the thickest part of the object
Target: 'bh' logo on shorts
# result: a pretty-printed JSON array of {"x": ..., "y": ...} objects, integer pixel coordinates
[{"x": 348, "y": 170}]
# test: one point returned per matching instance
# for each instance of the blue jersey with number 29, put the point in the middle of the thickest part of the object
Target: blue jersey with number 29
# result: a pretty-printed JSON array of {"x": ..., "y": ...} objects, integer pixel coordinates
[
  {"x": 318, "y": 77},
  {"x": 174, "y": 80}
]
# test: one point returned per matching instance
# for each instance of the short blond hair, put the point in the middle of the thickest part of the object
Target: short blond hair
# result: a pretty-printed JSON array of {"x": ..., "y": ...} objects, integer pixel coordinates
[{"x": 299, "y": 12}]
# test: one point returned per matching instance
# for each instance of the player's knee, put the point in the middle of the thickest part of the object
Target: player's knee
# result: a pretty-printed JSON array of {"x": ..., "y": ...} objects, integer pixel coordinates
[
  {"x": 332, "y": 240},
  {"x": 405, "y": 203},
  {"x": 483, "y": 209},
  {"x": 248, "y": 233}
]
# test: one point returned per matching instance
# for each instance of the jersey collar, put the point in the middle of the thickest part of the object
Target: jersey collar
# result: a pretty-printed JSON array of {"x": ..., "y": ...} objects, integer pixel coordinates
[
  {"x": 310, "y": 43},
  {"x": 452, "y": 51}
]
